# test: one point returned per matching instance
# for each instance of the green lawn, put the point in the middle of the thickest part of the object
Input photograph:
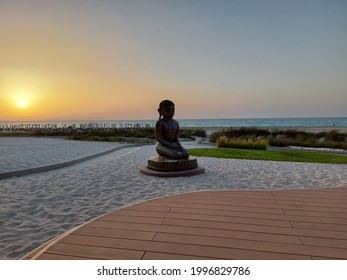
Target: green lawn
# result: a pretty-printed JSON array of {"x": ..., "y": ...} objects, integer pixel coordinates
[{"x": 275, "y": 155}]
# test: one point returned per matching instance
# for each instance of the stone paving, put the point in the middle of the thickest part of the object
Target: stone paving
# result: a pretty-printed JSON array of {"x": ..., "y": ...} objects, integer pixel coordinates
[{"x": 19, "y": 153}]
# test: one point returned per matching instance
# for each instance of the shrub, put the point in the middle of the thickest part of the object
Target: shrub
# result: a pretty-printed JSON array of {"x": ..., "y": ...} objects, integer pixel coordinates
[
  {"x": 285, "y": 138},
  {"x": 222, "y": 141},
  {"x": 121, "y": 132},
  {"x": 335, "y": 136},
  {"x": 191, "y": 133},
  {"x": 215, "y": 135},
  {"x": 244, "y": 132},
  {"x": 258, "y": 143},
  {"x": 185, "y": 133},
  {"x": 199, "y": 133}
]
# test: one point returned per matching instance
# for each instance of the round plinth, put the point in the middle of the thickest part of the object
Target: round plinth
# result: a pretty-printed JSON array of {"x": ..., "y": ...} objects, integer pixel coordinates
[
  {"x": 164, "y": 164},
  {"x": 190, "y": 172}
]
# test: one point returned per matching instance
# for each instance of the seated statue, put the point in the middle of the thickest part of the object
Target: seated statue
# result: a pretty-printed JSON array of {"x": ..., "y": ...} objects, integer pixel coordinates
[{"x": 166, "y": 133}]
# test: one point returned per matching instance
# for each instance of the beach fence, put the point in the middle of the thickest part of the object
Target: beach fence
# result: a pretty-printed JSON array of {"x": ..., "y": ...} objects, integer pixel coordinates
[{"x": 13, "y": 127}]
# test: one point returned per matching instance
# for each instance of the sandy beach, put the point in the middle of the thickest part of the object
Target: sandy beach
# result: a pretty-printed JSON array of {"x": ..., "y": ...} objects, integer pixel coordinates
[{"x": 37, "y": 207}]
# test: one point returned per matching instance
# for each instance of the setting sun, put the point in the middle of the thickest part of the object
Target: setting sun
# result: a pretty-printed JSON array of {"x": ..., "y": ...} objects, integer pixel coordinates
[{"x": 21, "y": 103}]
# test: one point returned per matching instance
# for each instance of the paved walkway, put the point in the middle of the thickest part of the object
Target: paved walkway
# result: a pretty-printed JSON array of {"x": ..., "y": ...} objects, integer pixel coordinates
[
  {"x": 228, "y": 224},
  {"x": 25, "y": 155}
]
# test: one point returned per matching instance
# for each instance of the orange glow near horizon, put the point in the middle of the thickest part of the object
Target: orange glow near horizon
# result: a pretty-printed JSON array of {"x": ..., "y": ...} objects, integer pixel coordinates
[{"x": 73, "y": 98}]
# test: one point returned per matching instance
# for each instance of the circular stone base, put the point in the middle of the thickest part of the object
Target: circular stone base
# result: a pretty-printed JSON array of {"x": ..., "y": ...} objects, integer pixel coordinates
[
  {"x": 190, "y": 172},
  {"x": 165, "y": 164}
]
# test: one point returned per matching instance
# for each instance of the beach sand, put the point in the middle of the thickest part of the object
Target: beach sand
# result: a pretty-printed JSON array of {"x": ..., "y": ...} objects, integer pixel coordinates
[{"x": 37, "y": 207}]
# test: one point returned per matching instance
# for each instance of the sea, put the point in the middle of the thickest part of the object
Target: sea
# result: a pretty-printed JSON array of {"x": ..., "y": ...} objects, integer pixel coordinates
[{"x": 192, "y": 123}]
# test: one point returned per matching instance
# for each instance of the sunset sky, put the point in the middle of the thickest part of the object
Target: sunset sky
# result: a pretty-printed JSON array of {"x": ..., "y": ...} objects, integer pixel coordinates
[{"x": 104, "y": 59}]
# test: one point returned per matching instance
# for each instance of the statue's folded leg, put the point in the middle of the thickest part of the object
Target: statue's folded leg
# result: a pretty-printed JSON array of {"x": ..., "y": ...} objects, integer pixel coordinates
[
  {"x": 171, "y": 152},
  {"x": 184, "y": 152}
]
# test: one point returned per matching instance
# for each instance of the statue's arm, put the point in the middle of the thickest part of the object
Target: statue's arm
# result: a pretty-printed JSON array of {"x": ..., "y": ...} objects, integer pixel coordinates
[{"x": 176, "y": 135}]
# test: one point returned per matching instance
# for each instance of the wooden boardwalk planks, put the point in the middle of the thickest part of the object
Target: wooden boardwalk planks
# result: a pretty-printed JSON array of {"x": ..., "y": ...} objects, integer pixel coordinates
[{"x": 225, "y": 224}]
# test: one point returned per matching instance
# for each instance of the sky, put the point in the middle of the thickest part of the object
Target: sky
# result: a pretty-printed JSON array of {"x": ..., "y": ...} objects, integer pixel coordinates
[{"x": 116, "y": 60}]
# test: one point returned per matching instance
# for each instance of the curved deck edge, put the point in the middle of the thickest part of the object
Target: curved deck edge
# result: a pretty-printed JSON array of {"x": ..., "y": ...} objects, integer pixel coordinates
[{"x": 218, "y": 224}]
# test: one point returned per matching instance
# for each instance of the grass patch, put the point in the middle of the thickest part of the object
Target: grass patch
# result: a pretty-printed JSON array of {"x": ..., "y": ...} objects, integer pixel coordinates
[{"x": 274, "y": 155}]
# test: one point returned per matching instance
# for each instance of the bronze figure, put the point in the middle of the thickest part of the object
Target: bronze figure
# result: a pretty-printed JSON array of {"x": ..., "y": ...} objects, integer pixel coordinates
[{"x": 166, "y": 133}]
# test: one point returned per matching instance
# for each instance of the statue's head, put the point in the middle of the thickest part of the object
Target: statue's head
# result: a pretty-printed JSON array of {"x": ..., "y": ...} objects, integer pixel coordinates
[{"x": 166, "y": 109}]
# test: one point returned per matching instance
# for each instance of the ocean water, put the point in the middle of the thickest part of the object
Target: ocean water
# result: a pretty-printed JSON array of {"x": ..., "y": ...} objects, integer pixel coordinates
[
  {"x": 237, "y": 122},
  {"x": 259, "y": 122}
]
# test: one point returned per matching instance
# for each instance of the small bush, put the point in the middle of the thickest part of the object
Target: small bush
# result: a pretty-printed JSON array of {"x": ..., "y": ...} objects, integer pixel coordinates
[
  {"x": 119, "y": 132},
  {"x": 334, "y": 136},
  {"x": 215, "y": 135},
  {"x": 191, "y": 133},
  {"x": 244, "y": 132},
  {"x": 258, "y": 143},
  {"x": 199, "y": 133},
  {"x": 186, "y": 133}
]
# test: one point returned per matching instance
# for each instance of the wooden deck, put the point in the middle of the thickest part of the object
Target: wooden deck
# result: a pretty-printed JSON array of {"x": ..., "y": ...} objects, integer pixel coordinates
[{"x": 226, "y": 224}]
